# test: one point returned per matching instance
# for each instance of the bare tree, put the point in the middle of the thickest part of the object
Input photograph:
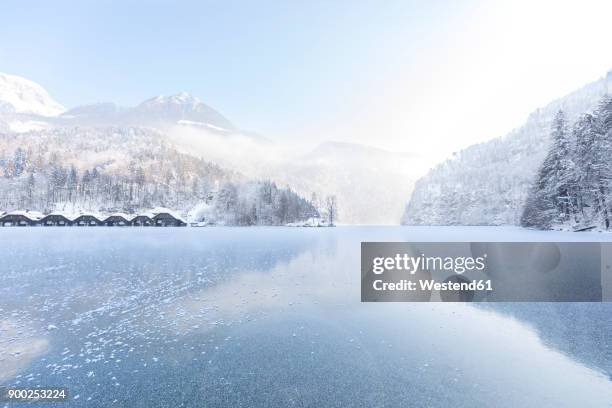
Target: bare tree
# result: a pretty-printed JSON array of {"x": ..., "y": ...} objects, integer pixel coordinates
[{"x": 331, "y": 206}]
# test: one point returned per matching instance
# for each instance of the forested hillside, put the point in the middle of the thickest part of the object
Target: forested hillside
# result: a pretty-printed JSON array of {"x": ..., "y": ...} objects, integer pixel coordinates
[
  {"x": 488, "y": 183},
  {"x": 126, "y": 169},
  {"x": 573, "y": 185}
]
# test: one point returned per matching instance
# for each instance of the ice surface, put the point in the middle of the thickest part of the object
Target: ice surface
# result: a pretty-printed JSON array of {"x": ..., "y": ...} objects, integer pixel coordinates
[{"x": 271, "y": 317}]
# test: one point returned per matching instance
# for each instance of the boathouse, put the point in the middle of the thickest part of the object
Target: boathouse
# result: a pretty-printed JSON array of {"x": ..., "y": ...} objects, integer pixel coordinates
[
  {"x": 55, "y": 219},
  {"x": 117, "y": 220},
  {"x": 142, "y": 221},
  {"x": 87, "y": 220},
  {"x": 166, "y": 219},
  {"x": 161, "y": 217},
  {"x": 20, "y": 219}
]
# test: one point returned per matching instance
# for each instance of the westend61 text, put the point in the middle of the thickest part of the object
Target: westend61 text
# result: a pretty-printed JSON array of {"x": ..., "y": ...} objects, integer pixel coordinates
[{"x": 430, "y": 284}]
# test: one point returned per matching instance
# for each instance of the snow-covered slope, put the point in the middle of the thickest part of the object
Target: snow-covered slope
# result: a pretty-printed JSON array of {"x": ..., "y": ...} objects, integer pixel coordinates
[
  {"x": 19, "y": 95},
  {"x": 102, "y": 110},
  {"x": 487, "y": 184},
  {"x": 103, "y": 169}
]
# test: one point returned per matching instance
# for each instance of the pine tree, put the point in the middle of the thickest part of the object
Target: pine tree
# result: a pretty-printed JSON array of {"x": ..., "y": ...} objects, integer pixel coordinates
[
  {"x": 72, "y": 182},
  {"x": 29, "y": 190},
  {"x": 584, "y": 135},
  {"x": 19, "y": 162},
  {"x": 550, "y": 200},
  {"x": 601, "y": 154},
  {"x": 563, "y": 177}
]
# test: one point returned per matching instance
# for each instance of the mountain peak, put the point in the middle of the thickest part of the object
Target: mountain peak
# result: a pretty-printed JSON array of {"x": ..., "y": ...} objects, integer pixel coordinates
[
  {"x": 21, "y": 95},
  {"x": 184, "y": 96},
  {"x": 181, "y": 98},
  {"x": 183, "y": 107}
]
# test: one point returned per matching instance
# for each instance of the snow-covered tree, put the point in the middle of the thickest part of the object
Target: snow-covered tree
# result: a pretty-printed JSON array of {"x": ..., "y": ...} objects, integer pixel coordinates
[
  {"x": 550, "y": 201},
  {"x": 573, "y": 184}
]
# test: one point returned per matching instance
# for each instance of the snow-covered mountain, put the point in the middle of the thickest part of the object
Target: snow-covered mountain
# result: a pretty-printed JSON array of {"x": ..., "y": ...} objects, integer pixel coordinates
[
  {"x": 159, "y": 112},
  {"x": 487, "y": 184},
  {"x": 19, "y": 95},
  {"x": 26, "y": 106},
  {"x": 371, "y": 185},
  {"x": 182, "y": 108}
]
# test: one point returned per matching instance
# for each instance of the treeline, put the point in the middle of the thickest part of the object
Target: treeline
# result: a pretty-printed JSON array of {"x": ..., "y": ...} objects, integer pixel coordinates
[
  {"x": 129, "y": 169},
  {"x": 58, "y": 186},
  {"x": 255, "y": 203},
  {"x": 231, "y": 203},
  {"x": 573, "y": 185},
  {"x": 46, "y": 174}
]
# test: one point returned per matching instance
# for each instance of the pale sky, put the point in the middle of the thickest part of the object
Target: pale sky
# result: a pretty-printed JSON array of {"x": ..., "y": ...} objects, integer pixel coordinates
[{"x": 422, "y": 76}]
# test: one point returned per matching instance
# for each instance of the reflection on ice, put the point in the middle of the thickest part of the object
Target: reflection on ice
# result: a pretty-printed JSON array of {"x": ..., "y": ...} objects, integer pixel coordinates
[
  {"x": 287, "y": 286},
  {"x": 270, "y": 317},
  {"x": 18, "y": 346}
]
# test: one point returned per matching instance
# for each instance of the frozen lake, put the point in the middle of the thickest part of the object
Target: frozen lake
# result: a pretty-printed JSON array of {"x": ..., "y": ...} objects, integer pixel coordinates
[{"x": 272, "y": 317}]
